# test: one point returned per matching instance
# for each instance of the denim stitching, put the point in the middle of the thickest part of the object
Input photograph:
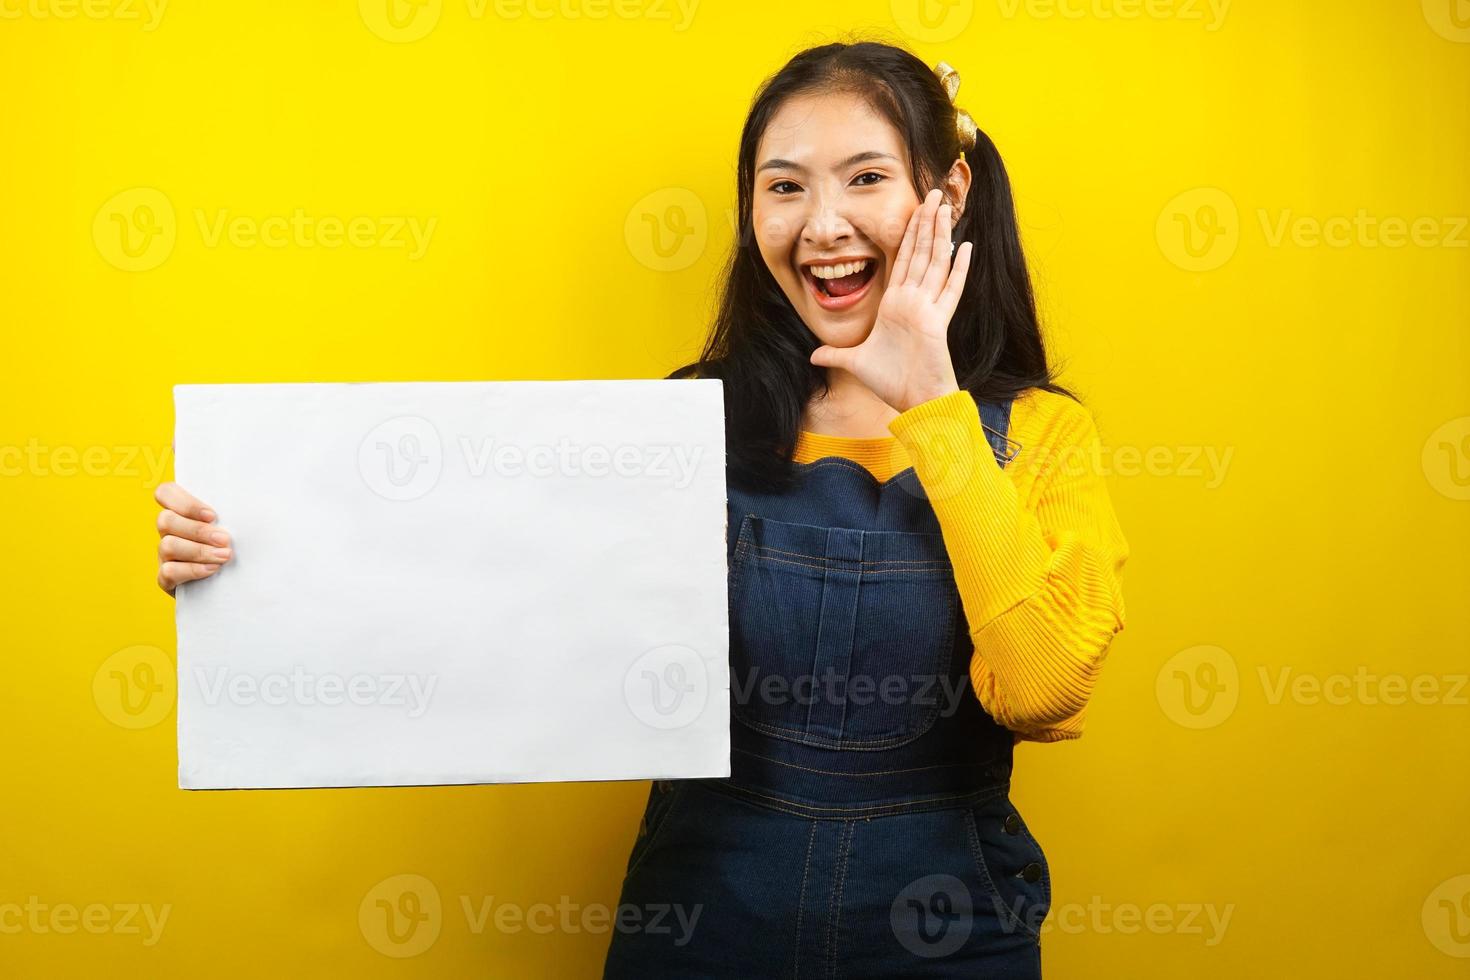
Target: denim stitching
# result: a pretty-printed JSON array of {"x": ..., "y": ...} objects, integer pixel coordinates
[
  {"x": 856, "y": 561},
  {"x": 801, "y": 897},
  {"x": 830, "y": 562},
  {"x": 817, "y": 646},
  {"x": 972, "y": 798},
  {"x": 843, "y": 853},
  {"x": 857, "y": 604},
  {"x": 920, "y": 564},
  {"x": 738, "y": 562},
  {"x": 876, "y": 772},
  {"x": 841, "y": 745}
]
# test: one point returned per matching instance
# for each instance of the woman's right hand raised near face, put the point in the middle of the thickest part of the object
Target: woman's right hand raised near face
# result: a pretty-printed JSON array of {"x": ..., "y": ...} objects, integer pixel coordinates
[{"x": 190, "y": 545}]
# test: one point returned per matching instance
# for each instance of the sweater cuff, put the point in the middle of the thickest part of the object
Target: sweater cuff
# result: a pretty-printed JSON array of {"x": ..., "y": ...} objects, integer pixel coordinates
[{"x": 987, "y": 532}]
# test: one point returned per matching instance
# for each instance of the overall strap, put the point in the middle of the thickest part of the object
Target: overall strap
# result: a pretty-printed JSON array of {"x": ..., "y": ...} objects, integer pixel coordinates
[{"x": 995, "y": 419}]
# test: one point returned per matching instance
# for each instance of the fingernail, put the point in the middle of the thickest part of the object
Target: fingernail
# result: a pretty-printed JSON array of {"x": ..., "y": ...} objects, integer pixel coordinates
[
  {"x": 222, "y": 552},
  {"x": 208, "y": 514},
  {"x": 219, "y": 537}
]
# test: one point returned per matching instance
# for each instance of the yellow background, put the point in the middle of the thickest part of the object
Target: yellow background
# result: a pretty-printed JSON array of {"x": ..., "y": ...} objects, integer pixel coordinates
[{"x": 1170, "y": 160}]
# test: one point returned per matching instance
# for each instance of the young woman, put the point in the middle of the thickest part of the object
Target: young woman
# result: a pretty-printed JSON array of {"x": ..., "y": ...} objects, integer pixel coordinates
[
  {"x": 924, "y": 569},
  {"x": 910, "y": 509}
]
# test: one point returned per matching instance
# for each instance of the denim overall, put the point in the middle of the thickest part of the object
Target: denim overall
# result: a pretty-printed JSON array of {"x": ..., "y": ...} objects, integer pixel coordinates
[{"x": 865, "y": 829}]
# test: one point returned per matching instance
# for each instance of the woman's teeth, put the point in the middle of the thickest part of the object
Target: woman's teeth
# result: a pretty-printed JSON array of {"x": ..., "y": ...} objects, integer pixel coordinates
[
  {"x": 841, "y": 279},
  {"x": 838, "y": 271}
]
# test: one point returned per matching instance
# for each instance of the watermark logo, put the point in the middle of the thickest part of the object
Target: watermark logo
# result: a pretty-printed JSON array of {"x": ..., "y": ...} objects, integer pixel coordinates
[
  {"x": 932, "y": 21},
  {"x": 1446, "y": 458},
  {"x": 1450, "y": 19},
  {"x": 135, "y": 230},
  {"x": 667, "y": 230},
  {"x": 932, "y": 916},
  {"x": 1199, "y": 230},
  {"x": 401, "y": 916},
  {"x": 1446, "y": 916},
  {"x": 402, "y": 458},
  {"x": 135, "y": 687},
  {"x": 951, "y": 453},
  {"x": 1201, "y": 686},
  {"x": 1198, "y": 687},
  {"x": 400, "y": 21},
  {"x": 667, "y": 687}
]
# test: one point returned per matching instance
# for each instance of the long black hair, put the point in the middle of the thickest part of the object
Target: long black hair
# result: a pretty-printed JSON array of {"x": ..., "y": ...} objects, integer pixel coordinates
[{"x": 760, "y": 348}]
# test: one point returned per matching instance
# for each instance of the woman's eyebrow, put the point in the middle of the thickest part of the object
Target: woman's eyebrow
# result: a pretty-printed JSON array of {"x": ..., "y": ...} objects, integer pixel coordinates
[{"x": 864, "y": 157}]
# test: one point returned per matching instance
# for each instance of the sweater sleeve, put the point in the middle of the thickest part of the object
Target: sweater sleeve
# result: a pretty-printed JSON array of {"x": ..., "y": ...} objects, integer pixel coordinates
[{"x": 1037, "y": 553}]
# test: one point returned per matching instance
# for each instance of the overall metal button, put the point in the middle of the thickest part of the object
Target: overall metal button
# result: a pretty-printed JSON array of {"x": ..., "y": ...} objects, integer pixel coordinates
[
  {"x": 1032, "y": 872},
  {"x": 1013, "y": 824}
]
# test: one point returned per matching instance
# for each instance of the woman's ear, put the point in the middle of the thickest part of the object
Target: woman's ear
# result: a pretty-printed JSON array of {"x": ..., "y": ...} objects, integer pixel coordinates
[{"x": 957, "y": 187}]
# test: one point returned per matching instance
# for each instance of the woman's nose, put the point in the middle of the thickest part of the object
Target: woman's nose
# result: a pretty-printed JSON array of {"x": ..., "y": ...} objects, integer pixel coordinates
[{"x": 826, "y": 223}]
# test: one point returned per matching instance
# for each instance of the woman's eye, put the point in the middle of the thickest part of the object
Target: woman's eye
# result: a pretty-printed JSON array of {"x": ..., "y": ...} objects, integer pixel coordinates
[
  {"x": 778, "y": 185},
  {"x": 871, "y": 173}
]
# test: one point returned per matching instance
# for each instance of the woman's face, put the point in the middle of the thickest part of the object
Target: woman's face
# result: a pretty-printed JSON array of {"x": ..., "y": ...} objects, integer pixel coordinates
[{"x": 833, "y": 194}]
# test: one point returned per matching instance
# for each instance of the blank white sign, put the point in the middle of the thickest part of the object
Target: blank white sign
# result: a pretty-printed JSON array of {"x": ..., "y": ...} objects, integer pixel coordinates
[{"x": 455, "y": 582}]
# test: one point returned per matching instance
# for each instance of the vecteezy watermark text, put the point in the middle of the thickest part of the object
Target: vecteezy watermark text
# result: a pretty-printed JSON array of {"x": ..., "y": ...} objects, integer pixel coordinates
[
  {"x": 403, "y": 916},
  {"x": 299, "y": 687},
  {"x": 403, "y": 458},
  {"x": 96, "y": 918},
  {"x": 925, "y": 690},
  {"x": 567, "y": 458}
]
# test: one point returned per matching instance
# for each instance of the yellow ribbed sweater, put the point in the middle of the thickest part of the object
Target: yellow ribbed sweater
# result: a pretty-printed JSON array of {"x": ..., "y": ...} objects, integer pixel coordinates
[{"x": 1037, "y": 551}]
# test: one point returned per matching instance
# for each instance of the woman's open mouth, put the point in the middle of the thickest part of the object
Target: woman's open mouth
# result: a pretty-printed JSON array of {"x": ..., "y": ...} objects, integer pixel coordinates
[{"x": 839, "y": 285}]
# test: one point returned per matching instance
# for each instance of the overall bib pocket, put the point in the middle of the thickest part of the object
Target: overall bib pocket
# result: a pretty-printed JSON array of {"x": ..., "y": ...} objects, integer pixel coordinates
[{"x": 840, "y": 638}]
